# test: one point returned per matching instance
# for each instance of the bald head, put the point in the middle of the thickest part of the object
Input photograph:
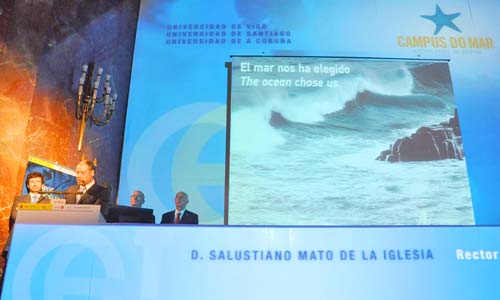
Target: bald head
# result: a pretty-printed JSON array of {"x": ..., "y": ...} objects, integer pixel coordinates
[
  {"x": 181, "y": 200},
  {"x": 137, "y": 199}
]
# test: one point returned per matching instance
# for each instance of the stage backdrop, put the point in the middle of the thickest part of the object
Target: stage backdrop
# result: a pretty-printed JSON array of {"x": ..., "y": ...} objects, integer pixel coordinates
[
  {"x": 175, "y": 135},
  {"x": 43, "y": 45}
]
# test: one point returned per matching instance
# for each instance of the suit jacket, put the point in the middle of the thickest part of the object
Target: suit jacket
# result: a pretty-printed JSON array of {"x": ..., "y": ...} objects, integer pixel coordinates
[
  {"x": 97, "y": 194},
  {"x": 25, "y": 199},
  {"x": 187, "y": 218}
]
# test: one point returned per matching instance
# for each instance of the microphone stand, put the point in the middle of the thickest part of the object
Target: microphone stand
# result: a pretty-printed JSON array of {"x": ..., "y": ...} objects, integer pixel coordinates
[
  {"x": 60, "y": 193},
  {"x": 53, "y": 192}
]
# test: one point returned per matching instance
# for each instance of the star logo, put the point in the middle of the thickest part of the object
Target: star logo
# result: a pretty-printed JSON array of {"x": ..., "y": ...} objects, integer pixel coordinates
[{"x": 441, "y": 19}]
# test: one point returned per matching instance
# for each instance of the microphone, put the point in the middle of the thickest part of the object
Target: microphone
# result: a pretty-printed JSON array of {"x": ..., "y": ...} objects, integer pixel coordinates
[
  {"x": 59, "y": 193},
  {"x": 52, "y": 192}
]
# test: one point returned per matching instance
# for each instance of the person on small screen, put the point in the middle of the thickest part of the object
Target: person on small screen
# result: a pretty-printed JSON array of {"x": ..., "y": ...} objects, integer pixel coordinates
[
  {"x": 180, "y": 215},
  {"x": 137, "y": 199},
  {"x": 34, "y": 184},
  {"x": 87, "y": 190}
]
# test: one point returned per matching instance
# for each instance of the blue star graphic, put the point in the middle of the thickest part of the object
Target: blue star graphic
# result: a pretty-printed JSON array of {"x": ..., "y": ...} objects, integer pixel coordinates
[{"x": 441, "y": 19}]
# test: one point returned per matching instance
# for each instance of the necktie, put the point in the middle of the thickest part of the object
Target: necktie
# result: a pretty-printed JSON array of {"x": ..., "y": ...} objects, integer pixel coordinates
[
  {"x": 177, "y": 217},
  {"x": 34, "y": 199},
  {"x": 82, "y": 190}
]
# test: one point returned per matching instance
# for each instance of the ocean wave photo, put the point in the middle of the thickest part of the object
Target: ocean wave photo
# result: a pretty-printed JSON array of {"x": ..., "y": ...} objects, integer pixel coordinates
[{"x": 383, "y": 147}]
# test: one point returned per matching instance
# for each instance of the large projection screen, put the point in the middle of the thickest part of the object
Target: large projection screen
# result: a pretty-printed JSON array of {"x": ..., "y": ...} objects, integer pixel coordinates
[{"x": 344, "y": 141}]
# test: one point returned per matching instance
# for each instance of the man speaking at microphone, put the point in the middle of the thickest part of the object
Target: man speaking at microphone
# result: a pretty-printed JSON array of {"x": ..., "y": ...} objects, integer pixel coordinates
[{"x": 87, "y": 191}]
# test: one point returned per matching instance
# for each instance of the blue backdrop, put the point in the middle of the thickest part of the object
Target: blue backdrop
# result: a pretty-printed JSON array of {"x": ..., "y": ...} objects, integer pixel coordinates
[{"x": 175, "y": 132}]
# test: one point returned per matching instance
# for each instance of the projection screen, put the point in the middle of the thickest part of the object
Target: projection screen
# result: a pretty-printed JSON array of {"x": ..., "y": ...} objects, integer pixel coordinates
[{"x": 344, "y": 141}]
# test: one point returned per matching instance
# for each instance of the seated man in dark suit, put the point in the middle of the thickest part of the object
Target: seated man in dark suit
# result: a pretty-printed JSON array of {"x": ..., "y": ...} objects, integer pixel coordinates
[
  {"x": 180, "y": 215},
  {"x": 87, "y": 191}
]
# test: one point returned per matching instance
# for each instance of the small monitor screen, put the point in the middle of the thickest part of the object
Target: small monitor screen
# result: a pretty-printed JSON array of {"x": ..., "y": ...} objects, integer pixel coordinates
[
  {"x": 128, "y": 214},
  {"x": 55, "y": 176}
]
